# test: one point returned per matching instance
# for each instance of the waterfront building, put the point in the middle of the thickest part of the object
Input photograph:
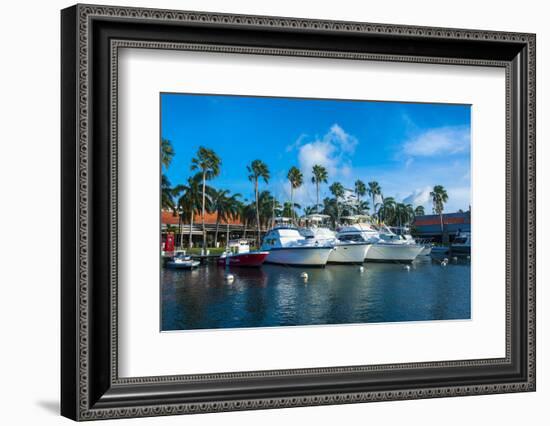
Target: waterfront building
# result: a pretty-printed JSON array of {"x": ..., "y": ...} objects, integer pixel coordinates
[
  {"x": 170, "y": 222},
  {"x": 429, "y": 226}
]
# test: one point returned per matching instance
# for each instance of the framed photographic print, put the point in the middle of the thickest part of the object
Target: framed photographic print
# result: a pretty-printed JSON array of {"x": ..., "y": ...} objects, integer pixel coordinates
[{"x": 263, "y": 212}]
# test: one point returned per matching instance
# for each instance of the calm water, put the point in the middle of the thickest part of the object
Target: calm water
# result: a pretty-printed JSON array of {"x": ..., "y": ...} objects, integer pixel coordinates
[{"x": 277, "y": 296}]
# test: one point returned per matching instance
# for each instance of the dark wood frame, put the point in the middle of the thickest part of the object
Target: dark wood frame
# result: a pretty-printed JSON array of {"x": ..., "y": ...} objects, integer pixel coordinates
[{"x": 91, "y": 37}]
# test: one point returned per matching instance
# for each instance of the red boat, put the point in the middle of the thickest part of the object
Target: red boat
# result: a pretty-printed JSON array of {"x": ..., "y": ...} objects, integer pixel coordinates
[{"x": 239, "y": 254}]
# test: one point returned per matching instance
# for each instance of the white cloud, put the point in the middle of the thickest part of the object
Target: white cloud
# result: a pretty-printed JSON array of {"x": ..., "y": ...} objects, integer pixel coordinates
[
  {"x": 444, "y": 140},
  {"x": 419, "y": 197},
  {"x": 332, "y": 151},
  {"x": 296, "y": 143},
  {"x": 459, "y": 198}
]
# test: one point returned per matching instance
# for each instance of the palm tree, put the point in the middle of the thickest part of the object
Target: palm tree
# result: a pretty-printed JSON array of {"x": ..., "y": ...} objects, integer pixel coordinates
[
  {"x": 403, "y": 214},
  {"x": 310, "y": 210},
  {"x": 289, "y": 209},
  {"x": 166, "y": 155},
  {"x": 296, "y": 180},
  {"x": 226, "y": 207},
  {"x": 439, "y": 198},
  {"x": 188, "y": 203},
  {"x": 362, "y": 207},
  {"x": 269, "y": 207},
  {"x": 166, "y": 152},
  {"x": 247, "y": 214},
  {"x": 387, "y": 210},
  {"x": 338, "y": 191},
  {"x": 360, "y": 190},
  {"x": 373, "y": 190},
  {"x": 166, "y": 194},
  {"x": 419, "y": 211},
  {"x": 257, "y": 170},
  {"x": 320, "y": 176},
  {"x": 208, "y": 163},
  {"x": 330, "y": 208}
]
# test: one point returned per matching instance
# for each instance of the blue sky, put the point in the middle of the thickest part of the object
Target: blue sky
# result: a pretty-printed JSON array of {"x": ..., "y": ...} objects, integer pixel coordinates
[{"x": 407, "y": 147}]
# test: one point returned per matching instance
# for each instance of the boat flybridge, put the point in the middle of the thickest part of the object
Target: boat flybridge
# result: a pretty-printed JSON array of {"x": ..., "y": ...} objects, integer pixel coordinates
[
  {"x": 287, "y": 246},
  {"x": 353, "y": 252},
  {"x": 386, "y": 245}
]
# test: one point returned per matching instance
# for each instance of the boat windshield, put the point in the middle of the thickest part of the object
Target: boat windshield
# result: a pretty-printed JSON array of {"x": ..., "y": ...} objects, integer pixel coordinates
[{"x": 351, "y": 237}]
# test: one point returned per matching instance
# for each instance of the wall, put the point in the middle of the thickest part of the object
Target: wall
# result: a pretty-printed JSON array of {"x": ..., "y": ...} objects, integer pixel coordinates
[{"x": 29, "y": 168}]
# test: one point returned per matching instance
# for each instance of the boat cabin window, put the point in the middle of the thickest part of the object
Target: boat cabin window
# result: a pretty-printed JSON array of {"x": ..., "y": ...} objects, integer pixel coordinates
[{"x": 351, "y": 237}]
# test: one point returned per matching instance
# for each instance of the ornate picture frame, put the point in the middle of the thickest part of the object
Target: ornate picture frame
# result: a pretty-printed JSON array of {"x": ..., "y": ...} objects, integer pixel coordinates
[{"x": 91, "y": 38}]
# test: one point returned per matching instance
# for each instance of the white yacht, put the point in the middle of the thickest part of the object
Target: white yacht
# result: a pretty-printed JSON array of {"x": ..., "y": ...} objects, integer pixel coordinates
[
  {"x": 287, "y": 246},
  {"x": 352, "y": 252},
  {"x": 405, "y": 234},
  {"x": 386, "y": 246}
]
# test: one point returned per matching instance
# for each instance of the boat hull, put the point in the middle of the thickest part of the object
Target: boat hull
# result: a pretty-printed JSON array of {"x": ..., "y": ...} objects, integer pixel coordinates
[
  {"x": 182, "y": 265},
  {"x": 349, "y": 253},
  {"x": 464, "y": 250},
  {"x": 299, "y": 256},
  {"x": 426, "y": 251},
  {"x": 393, "y": 252},
  {"x": 251, "y": 260}
]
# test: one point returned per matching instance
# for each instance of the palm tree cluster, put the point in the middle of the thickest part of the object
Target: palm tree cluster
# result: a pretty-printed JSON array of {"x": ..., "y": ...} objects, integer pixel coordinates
[{"x": 195, "y": 195}]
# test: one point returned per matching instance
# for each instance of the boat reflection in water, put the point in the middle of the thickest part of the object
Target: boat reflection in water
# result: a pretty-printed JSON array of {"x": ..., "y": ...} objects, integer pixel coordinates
[{"x": 276, "y": 295}]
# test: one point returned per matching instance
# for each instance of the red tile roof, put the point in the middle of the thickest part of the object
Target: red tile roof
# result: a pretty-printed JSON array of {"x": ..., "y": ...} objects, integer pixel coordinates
[{"x": 170, "y": 218}]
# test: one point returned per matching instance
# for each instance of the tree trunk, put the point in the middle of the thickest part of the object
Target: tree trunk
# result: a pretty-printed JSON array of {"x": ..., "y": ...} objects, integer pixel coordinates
[
  {"x": 291, "y": 205},
  {"x": 227, "y": 235},
  {"x": 217, "y": 227},
  {"x": 317, "y": 205},
  {"x": 257, "y": 213},
  {"x": 203, "y": 209},
  {"x": 191, "y": 230},
  {"x": 180, "y": 224}
]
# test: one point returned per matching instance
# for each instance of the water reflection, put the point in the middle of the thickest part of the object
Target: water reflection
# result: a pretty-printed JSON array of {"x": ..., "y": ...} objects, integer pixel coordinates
[{"x": 277, "y": 295}]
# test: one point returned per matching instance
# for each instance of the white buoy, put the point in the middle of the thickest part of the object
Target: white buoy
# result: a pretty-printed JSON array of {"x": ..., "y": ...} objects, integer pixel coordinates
[
  {"x": 455, "y": 259},
  {"x": 230, "y": 277},
  {"x": 361, "y": 269},
  {"x": 304, "y": 276},
  {"x": 444, "y": 263},
  {"x": 407, "y": 267},
  {"x": 468, "y": 257},
  {"x": 446, "y": 260}
]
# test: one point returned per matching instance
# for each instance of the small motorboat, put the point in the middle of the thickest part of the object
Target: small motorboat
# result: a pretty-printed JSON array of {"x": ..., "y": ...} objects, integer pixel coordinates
[
  {"x": 238, "y": 254},
  {"x": 462, "y": 244},
  {"x": 182, "y": 261}
]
